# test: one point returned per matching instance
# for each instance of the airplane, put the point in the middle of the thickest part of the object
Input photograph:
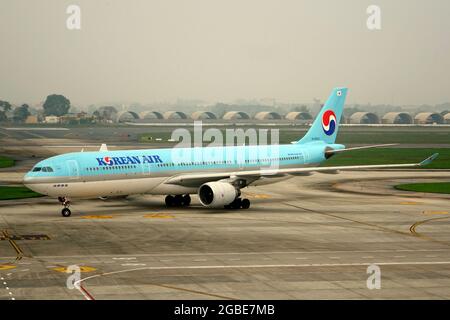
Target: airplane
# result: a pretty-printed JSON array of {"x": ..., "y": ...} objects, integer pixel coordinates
[{"x": 217, "y": 182}]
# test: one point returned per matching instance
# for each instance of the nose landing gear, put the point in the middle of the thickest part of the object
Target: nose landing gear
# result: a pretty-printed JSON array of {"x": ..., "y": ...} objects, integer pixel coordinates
[{"x": 65, "y": 212}]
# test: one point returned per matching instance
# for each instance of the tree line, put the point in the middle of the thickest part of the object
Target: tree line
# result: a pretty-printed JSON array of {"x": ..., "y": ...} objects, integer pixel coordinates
[{"x": 54, "y": 105}]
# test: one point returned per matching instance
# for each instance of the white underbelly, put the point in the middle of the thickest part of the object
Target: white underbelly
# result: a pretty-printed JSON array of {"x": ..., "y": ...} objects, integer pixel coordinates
[{"x": 93, "y": 189}]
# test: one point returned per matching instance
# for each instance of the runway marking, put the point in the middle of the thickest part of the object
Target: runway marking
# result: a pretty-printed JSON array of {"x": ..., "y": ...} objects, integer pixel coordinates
[
  {"x": 82, "y": 269},
  {"x": 413, "y": 231},
  {"x": 17, "y": 249},
  {"x": 133, "y": 264},
  {"x": 435, "y": 212},
  {"x": 368, "y": 257},
  {"x": 256, "y": 195},
  {"x": 6, "y": 267},
  {"x": 159, "y": 216},
  {"x": 125, "y": 258},
  {"x": 7, "y": 288},
  {"x": 97, "y": 217},
  {"x": 381, "y": 228},
  {"x": 410, "y": 203},
  {"x": 78, "y": 283}
]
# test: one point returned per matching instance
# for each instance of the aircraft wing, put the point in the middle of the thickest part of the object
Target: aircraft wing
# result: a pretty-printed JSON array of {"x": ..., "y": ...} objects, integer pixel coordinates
[
  {"x": 334, "y": 151},
  {"x": 197, "y": 179}
]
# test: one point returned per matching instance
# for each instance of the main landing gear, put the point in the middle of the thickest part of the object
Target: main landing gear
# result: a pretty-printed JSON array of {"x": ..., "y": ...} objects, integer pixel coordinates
[
  {"x": 178, "y": 200},
  {"x": 65, "y": 212},
  {"x": 238, "y": 203}
]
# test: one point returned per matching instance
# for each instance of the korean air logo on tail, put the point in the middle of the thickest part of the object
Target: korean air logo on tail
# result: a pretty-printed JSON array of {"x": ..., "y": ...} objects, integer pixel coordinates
[{"x": 329, "y": 122}]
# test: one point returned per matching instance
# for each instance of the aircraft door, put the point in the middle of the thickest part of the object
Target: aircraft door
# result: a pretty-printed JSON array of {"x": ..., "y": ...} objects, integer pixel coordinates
[{"x": 74, "y": 172}]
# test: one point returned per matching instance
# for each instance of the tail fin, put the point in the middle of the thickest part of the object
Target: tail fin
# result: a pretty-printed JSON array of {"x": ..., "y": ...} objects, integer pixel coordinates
[{"x": 325, "y": 126}]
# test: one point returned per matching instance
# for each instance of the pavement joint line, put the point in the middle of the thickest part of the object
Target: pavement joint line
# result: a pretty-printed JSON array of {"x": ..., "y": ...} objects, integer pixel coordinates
[{"x": 250, "y": 253}]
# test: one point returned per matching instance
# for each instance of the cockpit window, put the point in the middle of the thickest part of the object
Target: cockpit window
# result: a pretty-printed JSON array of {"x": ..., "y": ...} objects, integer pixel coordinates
[{"x": 43, "y": 169}]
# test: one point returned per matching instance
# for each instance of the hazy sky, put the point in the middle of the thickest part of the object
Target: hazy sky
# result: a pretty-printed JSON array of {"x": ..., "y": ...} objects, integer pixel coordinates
[{"x": 161, "y": 50}]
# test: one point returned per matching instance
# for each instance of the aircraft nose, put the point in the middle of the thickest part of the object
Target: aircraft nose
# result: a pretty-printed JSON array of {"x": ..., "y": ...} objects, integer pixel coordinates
[{"x": 27, "y": 180}]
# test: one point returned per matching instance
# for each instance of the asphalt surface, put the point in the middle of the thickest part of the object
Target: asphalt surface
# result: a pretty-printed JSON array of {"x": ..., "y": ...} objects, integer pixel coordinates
[{"x": 306, "y": 238}]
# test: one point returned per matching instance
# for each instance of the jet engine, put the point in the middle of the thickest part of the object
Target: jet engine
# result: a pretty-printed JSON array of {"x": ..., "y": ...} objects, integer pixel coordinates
[{"x": 217, "y": 194}]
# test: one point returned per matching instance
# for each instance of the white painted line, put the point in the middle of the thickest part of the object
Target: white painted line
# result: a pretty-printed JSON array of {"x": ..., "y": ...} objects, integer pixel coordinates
[
  {"x": 368, "y": 257},
  {"x": 301, "y": 258},
  {"x": 125, "y": 258},
  {"x": 37, "y": 129},
  {"x": 77, "y": 283},
  {"x": 133, "y": 264},
  {"x": 199, "y": 260}
]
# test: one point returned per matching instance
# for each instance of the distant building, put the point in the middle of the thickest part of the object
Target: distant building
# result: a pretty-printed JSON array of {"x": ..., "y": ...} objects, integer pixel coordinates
[
  {"x": 428, "y": 118},
  {"x": 51, "y": 119}
]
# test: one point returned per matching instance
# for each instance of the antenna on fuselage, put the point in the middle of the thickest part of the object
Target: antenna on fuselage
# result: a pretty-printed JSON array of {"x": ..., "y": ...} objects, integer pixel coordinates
[{"x": 103, "y": 147}]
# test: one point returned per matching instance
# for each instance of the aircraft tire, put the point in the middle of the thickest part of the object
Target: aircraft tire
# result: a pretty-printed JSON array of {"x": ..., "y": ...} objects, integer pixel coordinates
[
  {"x": 170, "y": 201},
  {"x": 186, "y": 200},
  {"x": 245, "y": 204},
  {"x": 66, "y": 212}
]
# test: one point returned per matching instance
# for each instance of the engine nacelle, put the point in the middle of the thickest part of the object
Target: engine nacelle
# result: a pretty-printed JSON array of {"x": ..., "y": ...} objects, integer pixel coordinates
[{"x": 217, "y": 194}]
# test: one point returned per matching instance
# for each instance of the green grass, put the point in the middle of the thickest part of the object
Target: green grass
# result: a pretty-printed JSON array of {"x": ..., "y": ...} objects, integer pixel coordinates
[
  {"x": 391, "y": 156},
  {"x": 10, "y": 193},
  {"x": 6, "y": 162},
  {"x": 437, "y": 187}
]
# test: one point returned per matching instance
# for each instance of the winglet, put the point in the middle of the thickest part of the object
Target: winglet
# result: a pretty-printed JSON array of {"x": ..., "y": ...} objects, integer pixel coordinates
[
  {"x": 103, "y": 147},
  {"x": 428, "y": 160}
]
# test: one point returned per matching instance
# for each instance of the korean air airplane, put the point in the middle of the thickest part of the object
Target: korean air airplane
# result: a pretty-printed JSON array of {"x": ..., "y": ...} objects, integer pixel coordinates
[{"x": 216, "y": 174}]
